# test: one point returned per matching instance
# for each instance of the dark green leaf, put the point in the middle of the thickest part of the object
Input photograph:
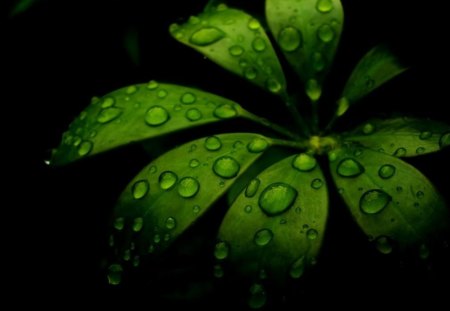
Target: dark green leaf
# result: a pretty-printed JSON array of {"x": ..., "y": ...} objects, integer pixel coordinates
[
  {"x": 22, "y": 6},
  {"x": 402, "y": 137},
  {"x": 278, "y": 222},
  {"x": 235, "y": 41},
  {"x": 308, "y": 33},
  {"x": 393, "y": 203},
  {"x": 377, "y": 67},
  {"x": 173, "y": 191},
  {"x": 140, "y": 112}
]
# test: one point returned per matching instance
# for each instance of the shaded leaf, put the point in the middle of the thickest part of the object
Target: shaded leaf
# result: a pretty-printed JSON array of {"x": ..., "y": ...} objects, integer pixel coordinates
[
  {"x": 140, "y": 112},
  {"x": 173, "y": 191},
  {"x": 393, "y": 203},
  {"x": 22, "y": 6},
  {"x": 278, "y": 222},
  {"x": 308, "y": 33},
  {"x": 235, "y": 41},
  {"x": 377, "y": 67},
  {"x": 402, "y": 137}
]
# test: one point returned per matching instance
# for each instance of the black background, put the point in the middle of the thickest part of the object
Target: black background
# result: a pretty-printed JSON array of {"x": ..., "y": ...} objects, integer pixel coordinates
[{"x": 61, "y": 53}]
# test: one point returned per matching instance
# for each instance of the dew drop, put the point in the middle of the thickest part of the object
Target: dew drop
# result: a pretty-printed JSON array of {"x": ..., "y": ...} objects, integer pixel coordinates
[
  {"x": 193, "y": 20},
  {"x": 194, "y": 163},
  {"x": 349, "y": 168},
  {"x": 259, "y": 44},
  {"x": 221, "y": 250},
  {"x": 85, "y": 148},
  {"x": 263, "y": 237},
  {"x": 108, "y": 114},
  {"x": 277, "y": 198},
  {"x": 119, "y": 223},
  {"x": 297, "y": 268},
  {"x": 188, "y": 187},
  {"x": 257, "y": 297},
  {"x": 156, "y": 116},
  {"x": 157, "y": 238},
  {"x": 188, "y": 98},
  {"x": 252, "y": 188},
  {"x": 313, "y": 89},
  {"x": 236, "y": 50},
  {"x": 374, "y": 201},
  {"x": 250, "y": 73},
  {"x": 131, "y": 89},
  {"x": 115, "y": 274},
  {"x": 384, "y": 245},
  {"x": 290, "y": 39},
  {"x": 108, "y": 102},
  {"x": 304, "y": 162},
  {"x": 162, "y": 94},
  {"x": 444, "y": 141},
  {"x": 140, "y": 189},
  {"x": 213, "y": 143},
  {"x": 193, "y": 114},
  {"x": 400, "y": 152},
  {"x": 325, "y": 33},
  {"x": 273, "y": 85},
  {"x": 171, "y": 223},
  {"x": 226, "y": 167},
  {"x": 248, "y": 209},
  {"x": 324, "y": 6},
  {"x": 152, "y": 85},
  {"x": 136, "y": 261},
  {"x": 420, "y": 150},
  {"x": 225, "y": 111},
  {"x": 420, "y": 194},
  {"x": 253, "y": 24},
  {"x": 206, "y": 36},
  {"x": 386, "y": 171},
  {"x": 138, "y": 223},
  {"x": 257, "y": 145},
  {"x": 318, "y": 61},
  {"x": 368, "y": 128},
  {"x": 312, "y": 234},
  {"x": 317, "y": 183},
  {"x": 196, "y": 209}
]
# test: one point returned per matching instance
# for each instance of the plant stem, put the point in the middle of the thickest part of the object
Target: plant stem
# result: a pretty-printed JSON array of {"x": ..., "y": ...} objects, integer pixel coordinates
[
  {"x": 315, "y": 116},
  {"x": 302, "y": 145},
  {"x": 330, "y": 124},
  {"x": 292, "y": 107},
  {"x": 266, "y": 123}
]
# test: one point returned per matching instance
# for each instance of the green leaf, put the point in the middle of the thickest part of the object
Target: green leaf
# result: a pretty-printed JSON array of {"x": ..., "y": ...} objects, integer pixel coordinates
[
  {"x": 377, "y": 67},
  {"x": 393, "y": 203},
  {"x": 278, "y": 222},
  {"x": 140, "y": 112},
  {"x": 308, "y": 33},
  {"x": 235, "y": 41},
  {"x": 173, "y": 191},
  {"x": 402, "y": 137}
]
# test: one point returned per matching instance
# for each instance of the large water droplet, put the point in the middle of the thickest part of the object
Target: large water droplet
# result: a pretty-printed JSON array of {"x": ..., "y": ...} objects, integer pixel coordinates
[
  {"x": 108, "y": 114},
  {"x": 193, "y": 114},
  {"x": 257, "y": 145},
  {"x": 297, "y": 268},
  {"x": 317, "y": 183},
  {"x": 188, "y": 187},
  {"x": 444, "y": 141},
  {"x": 304, "y": 162},
  {"x": 313, "y": 89},
  {"x": 263, "y": 237},
  {"x": 325, "y": 33},
  {"x": 374, "y": 201},
  {"x": 221, "y": 250},
  {"x": 277, "y": 198},
  {"x": 85, "y": 148},
  {"x": 384, "y": 244},
  {"x": 119, "y": 223},
  {"x": 386, "y": 171},
  {"x": 425, "y": 135},
  {"x": 188, "y": 98},
  {"x": 259, "y": 44},
  {"x": 324, "y": 6},
  {"x": 156, "y": 116},
  {"x": 138, "y": 223},
  {"x": 167, "y": 180},
  {"x": 236, "y": 50},
  {"x": 140, "y": 189},
  {"x": 206, "y": 36},
  {"x": 257, "y": 297},
  {"x": 349, "y": 168},
  {"x": 213, "y": 143},
  {"x": 115, "y": 274},
  {"x": 171, "y": 223},
  {"x": 400, "y": 152},
  {"x": 312, "y": 234},
  {"x": 252, "y": 188},
  {"x": 225, "y": 111},
  {"x": 290, "y": 39},
  {"x": 226, "y": 167}
]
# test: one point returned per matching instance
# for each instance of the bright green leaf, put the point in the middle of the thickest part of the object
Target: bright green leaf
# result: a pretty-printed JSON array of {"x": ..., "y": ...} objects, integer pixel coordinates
[
  {"x": 235, "y": 41},
  {"x": 308, "y": 33},
  {"x": 173, "y": 191},
  {"x": 278, "y": 222},
  {"x": 140, "y": 112},
  {"x": 393, "y": 203},
  {"x": 377, "y": 67},
  {"x": 402, "y": 137}
]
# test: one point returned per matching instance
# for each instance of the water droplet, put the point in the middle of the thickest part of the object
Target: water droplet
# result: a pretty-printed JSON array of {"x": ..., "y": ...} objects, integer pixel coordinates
[
  {"x": 325, "y": 33},
  {"x": 152, "y": 169},
  {"x": 140, "y": 189},
  {"x": 257, "y": 297},
  {"x": 425, "y": 135},
  {"x": 252, "y": 188},
  {"x": 332, "y": 156},
  {"x": 206, "y": 36},
  {"x": 194, "y": 163},
  {"x": 343, "y": 105},
  {"x": 257, "y": 145},
  {"x": 108, "y": 102},
  {"x": 384, "y": 245},
  {"x": 386, "y": 171},
  {"x": 218, "y": 271},
  {"x": 248, "y": 209},
  {"x": 273, "y": 85},
  {"x": 324, "y": 6},
  {"x": 400, "y": 152},
  {"x": 277, "y": 198},
  {"x": 424, "y": 252},
  {"x": 317, "y": 183},
  {"x": 188, "y": 98},
  {"x": 318, "y": 61},
  {"x": 85, "y": 148},
  {"x": 193, "y": 114},
  {"x": 312, "y": 234},
  {"x": 196, "y": 209},
  {"x": 167, "y": 180},
  {"x": 83, "y": 115},
  {"x": 192, "y": 148},
  {"x": 157, "y": 238},
  {"x": 136, "y": 261},
  {"x": 131, "y": 89},
  {"x": 193, "y": 20},
  {"x": 444, "y": 141},
  {"x": 188, "y": 187},
  {"x": 298, "y": 210},
  {"x": 304, "y": 162},
  {"x": 236, "y": 50},
  {"x": 119, "y": 223},
  {"x": 420, "y": 150},
  {"x": 221, "y": 7},
  {"x": 250, "y": 73},
  {"x": 225, "y": 111},
  {"x": 162, "y": 94},
  {"x": 290, "y": 39},
  {"x": 226, "y": 167},
  {"x": 259, "y": 44},
  {"x": 127, "y": 255},
  {"x": 263, "y": 237},
  {"x": 221, "y": 250},
  {"x": 297, "y": 268},
  {"x": 156, "y": 116},
  {"x": 313, "y": 89},
  {"x": 370, "y": 83},
  {"x": 171, "y": 223},
  {"x": 420, "y": 194},
  {"x": 368, "y": 128},
  {"x": 138, "y": 224},
  {"x": 213, "y": 143},
  {"x": 349, "y": 168},
  {"x": 115, "y": 274},
  {"x": 253, "y": 24},
  {"x": 108, "y": 114},
  {"x": 374, "y": 201}
]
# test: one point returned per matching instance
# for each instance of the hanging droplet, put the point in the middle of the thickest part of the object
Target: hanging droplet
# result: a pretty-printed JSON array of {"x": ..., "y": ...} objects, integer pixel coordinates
[
  {"x": 290, "y": 39},
  {"x": 236, "y": 50},
  {"x": 156, "y": 116},
  {"x": 119, "y": 223},
  {"x": 317, "y": 183},
  {"x": 324, "y": 6},
  {"x": 206, "y": 36},
  {"x": 136, "y": 261},
  {"x": 277, "y": 198},
  {"x": 325, "y": 33},
  {"x": 312, "y": 234},
  {"x": 400, "y": 152},
  {"x": 138, "y": 224},
  {"x": 171, "y": 223},
  {"x": 225, "y": 111},
  {"x": 188, "y": 187},
  {"x": 108, "y": 114},
  {"x": 263, "y": 237},
  {"x": 252, "y": 188},
  {"x": 85, "y": 148},
  {"x": 115, "y": 274},
  {"x": 257, "y": 297},
  {"x": 259, "y": 44},
  {"x": 298, "y": 268},
  {"x": 213, "y": 143},
  {"x": 221, "y": 250},
  {"x": 368, "y": 128},
  {"x": 188, "y": 98},
  {"x": 304, "y": 162},
  {"x": 226, "y": 167},
  {"x": 257, "y": 145},
  {"x": 444, "y": 141},
  {"x": 313, "y": 89},
  {"x": 374, "y": 201},
  {"x": 167, "y": 180},
  {"x": 140, "y": 189},
  {"x": 193, "y": 20},
  {"x": 386, "y": 171},
  {"x": 349, "y": 168},
  {"x": 384, "y": 245}
]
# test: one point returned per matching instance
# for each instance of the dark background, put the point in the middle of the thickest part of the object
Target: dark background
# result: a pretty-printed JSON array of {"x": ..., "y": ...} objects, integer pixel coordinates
[{"x": 61, "y": 53}]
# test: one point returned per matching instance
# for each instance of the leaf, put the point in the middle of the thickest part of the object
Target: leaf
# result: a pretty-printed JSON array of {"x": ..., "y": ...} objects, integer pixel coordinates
[
  {"x": 377, "y": 67},
  {"x": 140, "y": 112},
  {"x": 21, "y": 6},
  {"x": 277, "y": 224},
  {"x": 235, "y": 41},
  {"x": 402, "y": 137},
  {"x": 308, "y": 33},
  {"x": 392, "y": 202},
  {"x": 173, "y": 191}
]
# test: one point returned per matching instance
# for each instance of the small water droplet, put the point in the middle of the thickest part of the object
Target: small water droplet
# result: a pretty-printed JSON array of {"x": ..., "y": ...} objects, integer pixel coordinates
[
  {"x": 167, "y": 180},
  {"x": 140, "y": 189},
  {"x": 318, "y": 61},
  {"x": 157, "y": 238},
  {"x": 297, "y": 268},
  {"x": 384, "y": 245},
  {"x": 188, "y": 187},
  {"x": 171, "y": 223},
  {"x": 370, "y": 83},
  {"x": 119, "y": 223},
  {"x": 316, "y": 183},
  {"x": 127, "y": 255},
  {"x": 425, "y": 135},
  {"x": 196, "y": 209},
  {"x": 138, "y": 224},
  {"x": 257, "y": 297},
  {"x": 218, "y": 271},
  {"x": 156, "y": 116},
  {"x": 225, "y": 111},
  {"x": 83, "y": 115},
  {"x": 136, "y": 261},
  {"x": 368, "y": 128},
  {"x": 313, "y": 89},
  {"x": 236, "y": 50},
  {"x": 324, "y": 6},
  {"x": 349, "y": 168},
  {"x": 263, "y": 237},
  {"x": 188, "y": 98},
  {"x": 420, "y": 150},
  {"x": 192, "y": 148},
  {"x": 162, "y": 94},
  {"x": 206, "y": 36},
  {"x": 115, "y": 274},
  {"x": 213, "y": 143},
  {"x": 194, "y": 163},
  {"x": 226, "y": 167},
  {"x": 312, "y": 234},
  {"x": 374, "y": 201},
  {"x": 262, "y": 274},
  {"x": 253, "y": 24},
  {"x": 304, "y": 162},
  {"x": 252, "y": 188},
  {"x": 152, "y": 85},
  {"x": 108, "y": 114},
  {"x": 107, "y": 102},
  {"x": 131, "y": 89},
  {"x": 259, "y": 44},
  {"x": 400, "y": 152},
  {"x": 248, "y": 209},
  {"x": 444, "y": 141},
  {"x": 273, "y": 85},
  {"x": 358, "y": 152},
  {"x": 420, "y": 194},
  {"x": 332, "y": 156},
  {"x": 85, "y": 148},
  {"x": 277, "y": 198},
  {"x": 325, "y": 33},
  {"x": 152, "y": 169},
  {"x": 221, "y": 250},
  {"x": 193, "y": 114},
  {"x": 386, "y": 171},
  {"x": 250, "y": 73},
  {"x": 221, "y": 7},
  {"x": 257, "y": 145},
  {"x": 290, "y": 39}
]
